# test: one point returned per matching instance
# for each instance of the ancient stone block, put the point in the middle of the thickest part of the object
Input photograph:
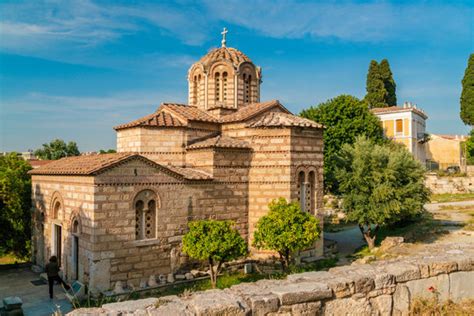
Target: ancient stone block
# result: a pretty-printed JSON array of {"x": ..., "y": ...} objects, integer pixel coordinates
[
  {"x": 382, "y": 305},
  {"x": 461, "y": 286},
  {"x": 290, "y": 294}
]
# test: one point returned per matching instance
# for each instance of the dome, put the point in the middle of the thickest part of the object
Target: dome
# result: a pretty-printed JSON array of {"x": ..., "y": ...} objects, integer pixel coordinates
[{"x": 229, "y": 54}]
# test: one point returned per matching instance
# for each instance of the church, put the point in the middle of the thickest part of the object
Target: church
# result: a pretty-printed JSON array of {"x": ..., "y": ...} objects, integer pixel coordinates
[{"x": 225, "y": 155}]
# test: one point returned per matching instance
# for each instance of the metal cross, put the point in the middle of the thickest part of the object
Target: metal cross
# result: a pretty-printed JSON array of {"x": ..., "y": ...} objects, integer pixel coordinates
[{"x": 224, "y": 32}]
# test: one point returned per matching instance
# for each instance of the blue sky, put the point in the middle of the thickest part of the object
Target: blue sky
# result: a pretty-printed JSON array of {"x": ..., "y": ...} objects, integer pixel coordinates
[{"x": 74, "y": 69}]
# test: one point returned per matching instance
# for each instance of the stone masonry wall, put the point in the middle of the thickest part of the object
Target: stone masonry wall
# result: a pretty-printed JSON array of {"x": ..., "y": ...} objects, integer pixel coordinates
[
  {"x": 381, "y": 288},
  {"x": 450, "y": 185}
]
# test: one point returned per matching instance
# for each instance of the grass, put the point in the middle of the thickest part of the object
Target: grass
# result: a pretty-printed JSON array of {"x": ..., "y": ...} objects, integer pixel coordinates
[
  {"x": 8, "y": 259},
  {"x": 432, "y": 307},
  {"x": 441, "y": 198}
]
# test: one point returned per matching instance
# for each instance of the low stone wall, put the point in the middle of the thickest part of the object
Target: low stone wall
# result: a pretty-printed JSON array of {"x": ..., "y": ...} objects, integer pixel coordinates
[
  {"x": 451, "y": 185},
  {"x": 381, "y": 288}
]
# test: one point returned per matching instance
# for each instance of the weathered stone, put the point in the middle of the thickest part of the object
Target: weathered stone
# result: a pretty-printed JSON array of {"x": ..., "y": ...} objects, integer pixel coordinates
[
  {"x": 421, "y": 288},
  {"x": 216, "y": 302},
  {"x": 143, "y": 284},
  {"x": 12, "y": 303},
  {"x": 382, "y": 304},
  {"x": 390, "y": 242},
  {"x": 189, "y": 276},
  {"x": 170, "y": 278},
  {"x": 93, "y": 311},
  {"x": 130, "y": 306},
  {"x": 301, "y": 293},
  {"x": 347, "y": 306},
  {"x": 461, "y": 285},
  {"x": 118, "y": 288},
  {"x": 403, "y": 271},
  {"x": 152, "y": 281},
  {"x": 180, "y": 277},
  {"x": 401, "y": 300}
]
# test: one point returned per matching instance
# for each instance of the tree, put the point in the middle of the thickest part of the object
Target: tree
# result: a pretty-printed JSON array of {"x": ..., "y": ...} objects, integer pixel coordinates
[
  {"x": 345, "y": 118},
  {"x": 109, "y": 151},
  {"x": 214, "y": 241},
  {"x": 468, "y": 146},
  {"x": 467, "y": 94},
  {"x": 389, "y": 84},
  {"x": 380, "y": 86},
  {"x": 15, "y": 205},
  {"x": 57, "y": 149},
  {"x": 379, "y": 185},
  {"x": 286, "y": 229}
]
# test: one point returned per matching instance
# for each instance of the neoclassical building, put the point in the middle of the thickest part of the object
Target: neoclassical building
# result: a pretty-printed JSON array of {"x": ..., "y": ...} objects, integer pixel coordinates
[{"x": 225, "y": 156}]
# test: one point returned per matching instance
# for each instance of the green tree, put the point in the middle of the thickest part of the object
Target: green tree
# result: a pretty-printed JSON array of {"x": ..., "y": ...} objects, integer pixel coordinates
[
  {"x": 109, "y": 151},
  {"x": 379, "y": 185},
  {"x": 389, "y": 84},
  {"x": 57, "y": 149},
  {"x": 15, "y": 205},
  {"x": 467, "y": 94},
  {"x": 468, "y": 146},
  {"x": 214, "y": 241},
  {"x": 345, "y": 118},
  {"x": 286, "y": 229}
]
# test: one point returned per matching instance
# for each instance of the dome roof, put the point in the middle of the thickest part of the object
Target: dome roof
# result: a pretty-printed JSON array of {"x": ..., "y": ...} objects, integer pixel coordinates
[{"x": 232, "y": 55}]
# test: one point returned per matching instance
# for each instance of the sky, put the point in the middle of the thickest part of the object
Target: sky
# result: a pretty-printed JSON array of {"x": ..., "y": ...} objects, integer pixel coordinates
[{"x": 74, "y": 69}]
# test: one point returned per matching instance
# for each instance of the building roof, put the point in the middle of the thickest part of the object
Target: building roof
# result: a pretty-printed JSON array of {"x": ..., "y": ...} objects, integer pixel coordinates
[
  {"x": 188, "y": 112},
  {"x": 156, "y": 119},
  {"x": 235, "y": 56},
  {"x": 252, "y": 110},
  {"x": 36, "y": 163},
  {"x": 279, "y": 119},
  {"x": 398, "y": 109},
  {"x": 94, "y": 164},
  {"x": 219, "y": 142}
]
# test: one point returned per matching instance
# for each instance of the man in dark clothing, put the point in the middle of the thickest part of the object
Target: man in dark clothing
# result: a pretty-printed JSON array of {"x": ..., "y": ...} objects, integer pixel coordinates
[{"x": 52, "y": 269}]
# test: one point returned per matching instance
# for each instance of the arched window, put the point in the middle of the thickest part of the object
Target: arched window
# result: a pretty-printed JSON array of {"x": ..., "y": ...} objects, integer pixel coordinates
[
  {"x": 247, "y": 88},
  {"x": 217, "y": 87},
  {"x": 195, "y": 90},
  {"x": 310, "y": 192},
  {"x": 75, "y": 227},
  {"x": 57, "y": 209},
  {"x": 224, "y": 87},
  {"x": 301, "y": 190},
  {"x": 145, "y": 215}
]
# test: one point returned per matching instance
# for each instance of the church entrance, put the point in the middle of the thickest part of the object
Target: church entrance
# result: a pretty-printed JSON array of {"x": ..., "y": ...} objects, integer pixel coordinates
[
  {"x": 75, "y": 256},
  {"x": 57, "y": 242}
]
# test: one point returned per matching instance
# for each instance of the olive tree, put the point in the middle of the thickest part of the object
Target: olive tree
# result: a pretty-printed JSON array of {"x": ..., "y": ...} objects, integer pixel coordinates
[
  {"x": 379, "y": 185},
  {"x": 214, "y": 241},
  {"x": 286, "y": 229}
]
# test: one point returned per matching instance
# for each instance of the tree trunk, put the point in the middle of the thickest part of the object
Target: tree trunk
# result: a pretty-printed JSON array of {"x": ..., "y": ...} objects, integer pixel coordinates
[
  {"x": 369, "y": 235},
  {"x": 285, "y": 260},
  {"x": 212, "y": 274}
]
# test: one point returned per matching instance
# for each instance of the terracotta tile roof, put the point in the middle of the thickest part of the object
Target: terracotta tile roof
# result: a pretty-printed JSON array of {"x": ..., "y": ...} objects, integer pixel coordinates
[
  {"x": 191, "y": 174},
  {"x": 81, "y": 165},
  {"x": 93, "y": 164},
  {"x": 278, "y": 119},
  {"x": 188, "y": 112},
  {"x": 235, "y": 56},
  {"x": 157, "y": 119},
  {"x": 219, "y": 142},
  {"x": 398, "y": 109},
  {"x": 252, "y": 110},
  {"x": 36, "y": 163}
]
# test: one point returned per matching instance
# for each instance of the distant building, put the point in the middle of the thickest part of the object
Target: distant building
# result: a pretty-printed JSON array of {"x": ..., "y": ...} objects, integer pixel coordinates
[
  {"x": 405, "y": 125},
  {"x": 445, "y": 151},
  {"x": 27, "y": 155}
]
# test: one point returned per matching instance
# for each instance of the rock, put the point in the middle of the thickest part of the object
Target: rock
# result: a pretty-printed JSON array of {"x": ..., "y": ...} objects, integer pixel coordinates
[
  {"x": 390, "y": 242},
  {"x": 12, "y": 303},
  {"x": 382, "y": 304},
  {"x": 94, "y": 311},
  {"x": 118, "y": 288},
  {"x": 170, "y": 278},
  {"x": 162, "y": 278},
  {"x": 180, "y": 277},
  {"x": 143, "y": 284},
  {"x": 420, "y": 288},
  {"x": 461, "y": 285},
  {"x": 189, "y": 276},
  {"x": 217, "y": 302},
  {"x": 152, "y": 281},
  {"x": 403, "y": 271},
  {"x": 401, "y": 300},
  {"x": 197, "y": 273},
  {"x": 290, "y": 294},
  {"x": 248, "y": 268},
  {"x": 347, "y": 306},
  {"x": 130, "y": 306}
]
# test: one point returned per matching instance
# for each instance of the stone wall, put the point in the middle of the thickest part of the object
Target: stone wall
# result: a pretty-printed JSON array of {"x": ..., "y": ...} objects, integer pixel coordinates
[
  {"x": 451, "y": 185},
  {"x": 381, "y": 288}
]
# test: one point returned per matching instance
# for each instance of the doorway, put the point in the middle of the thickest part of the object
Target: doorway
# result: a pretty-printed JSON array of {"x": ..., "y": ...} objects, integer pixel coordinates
[
  {"x": 57, "y": 242},
  {"x": 75, "y": 256}
]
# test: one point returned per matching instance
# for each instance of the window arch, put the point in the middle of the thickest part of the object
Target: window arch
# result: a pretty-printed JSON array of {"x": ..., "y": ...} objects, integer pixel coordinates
[
  {"x": 306, "y": 190},
  {"x": 224, "y": 87},
  {"x": 76, "y": 226},
  {"x": 310, "y": 192},
  {"x": 301, "y": 190},
  {"x": 195, "y": 90},
  {"x": 247, "y": 88},
  {"x": 145, "y": 205},
  {"x": 57, "y": 206},
  {"x": 217, "y": 86}
]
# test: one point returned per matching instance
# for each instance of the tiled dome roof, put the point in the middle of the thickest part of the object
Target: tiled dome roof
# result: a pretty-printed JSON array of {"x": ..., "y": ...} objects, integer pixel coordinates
[{"x": 235, "y": 56}]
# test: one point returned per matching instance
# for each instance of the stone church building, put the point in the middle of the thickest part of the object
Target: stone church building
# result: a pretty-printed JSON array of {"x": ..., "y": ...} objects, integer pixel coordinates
[{"x": 225, "y": 156}]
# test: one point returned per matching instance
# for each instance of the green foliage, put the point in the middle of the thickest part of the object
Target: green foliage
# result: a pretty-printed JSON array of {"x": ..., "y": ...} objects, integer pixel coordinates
[
  {"x": 214, "y": 241},
  {"x": 380, "y": 86},
  {"x": 467, "y": 95},
  {"x": 379, "y": 185},
  {"x": 57, "y": 149},
  {"x": 286, "y": 229},
  {"x": 15, "y": 206},
  {"x": 469, "y": 148},
  {"x": 109, "y": 151},
  {"x": 345, "y": 118}
]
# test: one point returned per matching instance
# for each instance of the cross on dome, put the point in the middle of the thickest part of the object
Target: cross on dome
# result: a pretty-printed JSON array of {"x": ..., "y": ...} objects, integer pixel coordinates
[{"x": 224, "y": 32}]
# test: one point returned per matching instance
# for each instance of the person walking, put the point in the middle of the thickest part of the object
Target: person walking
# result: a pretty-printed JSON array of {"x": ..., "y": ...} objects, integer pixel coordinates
[{"x": 52, "y": 269}]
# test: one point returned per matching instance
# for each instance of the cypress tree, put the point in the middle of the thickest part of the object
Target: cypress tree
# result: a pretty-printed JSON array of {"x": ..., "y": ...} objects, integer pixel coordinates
[
  {"x": 376, "y": 92},
  {"x": 389, "y": 83},
  {"x": 467, "y": 95}
]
